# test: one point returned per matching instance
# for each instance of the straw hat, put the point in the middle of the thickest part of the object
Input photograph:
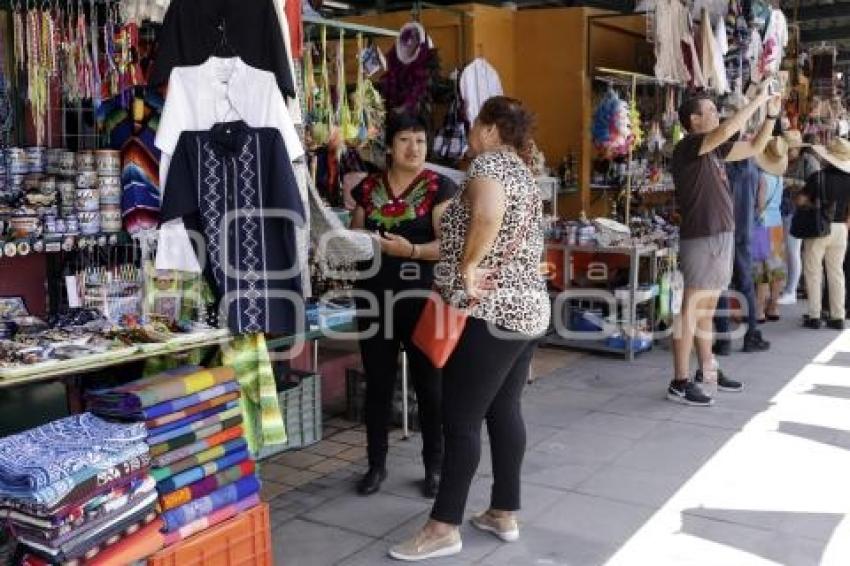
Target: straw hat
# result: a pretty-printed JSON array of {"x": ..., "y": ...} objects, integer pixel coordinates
[
  {"x": 774, "y": 158},
  {"x": 794, "y": 139},
  {"x": 837, "y": 153}
]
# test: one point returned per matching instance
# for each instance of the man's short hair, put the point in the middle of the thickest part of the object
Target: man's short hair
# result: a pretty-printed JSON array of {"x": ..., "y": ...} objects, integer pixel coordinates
[{"x": 692, "y": 105}]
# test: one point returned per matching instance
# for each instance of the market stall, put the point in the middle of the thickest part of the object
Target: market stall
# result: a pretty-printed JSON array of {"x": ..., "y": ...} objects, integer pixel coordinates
[{"x": 94, "y": 158}]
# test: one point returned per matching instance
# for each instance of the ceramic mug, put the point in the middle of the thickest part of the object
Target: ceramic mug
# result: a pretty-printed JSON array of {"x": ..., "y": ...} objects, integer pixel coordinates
[
  {"x": 110, "y": 219},
  {"x": 67, "y": 192},
  {"x": 110, "y": 190},
  {"x": 25, "y": 226},
  {"x": 47, "y": 185},
  {"x": 89, "y": 223},
  {"x": 37, "y": 159},
  {"x": 86, "y": 180},
  {"x": 85, "y": 160},
  {"x": 16, "y": 159},
  {"x": 68, "y": 163},
  {"x": 72, "y": 224},
  {"x": 88, "y": 200},
  {"x": 108, "y": 162},
  {"x": 54, "y": 158},
  {"x": 16, "y": 182}
]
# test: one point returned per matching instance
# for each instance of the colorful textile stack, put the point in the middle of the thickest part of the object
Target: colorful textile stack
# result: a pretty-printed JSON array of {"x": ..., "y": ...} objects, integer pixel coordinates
[
  {"x": 201, "y": 464},
  {"x": 77, "y": 487}
]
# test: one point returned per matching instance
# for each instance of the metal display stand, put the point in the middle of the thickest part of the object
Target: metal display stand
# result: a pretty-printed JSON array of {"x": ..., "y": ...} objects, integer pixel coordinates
[{"x": 635, "y": 254}]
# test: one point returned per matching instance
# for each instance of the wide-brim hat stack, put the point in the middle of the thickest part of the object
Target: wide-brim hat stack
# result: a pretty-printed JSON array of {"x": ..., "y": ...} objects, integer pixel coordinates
[{"x": 837, "y": 153}]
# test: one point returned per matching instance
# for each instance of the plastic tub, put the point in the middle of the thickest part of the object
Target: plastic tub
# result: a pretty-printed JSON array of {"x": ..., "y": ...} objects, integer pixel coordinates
[{"x": 242, "y": 540}]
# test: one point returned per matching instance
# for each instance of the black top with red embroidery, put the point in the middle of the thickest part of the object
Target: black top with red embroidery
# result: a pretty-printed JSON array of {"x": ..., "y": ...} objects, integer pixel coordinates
[{"x": 408, "y": 215}]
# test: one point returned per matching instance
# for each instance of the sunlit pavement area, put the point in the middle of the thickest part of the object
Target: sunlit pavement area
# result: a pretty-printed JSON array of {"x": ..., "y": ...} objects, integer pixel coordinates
[{"x": 614, "y": 474}]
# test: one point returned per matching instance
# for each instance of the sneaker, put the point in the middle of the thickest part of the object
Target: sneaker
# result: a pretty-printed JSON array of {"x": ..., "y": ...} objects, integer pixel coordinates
[
  {"x": 723, "y": 382},
  {"x": 505, "y": 528},
  {"x": 787, "y": 299},
  {"x": 722, "y": 348},
  {"x": 423, "y": 547},
  {"x": 688, "y": 393},
  {"x": 836, "y": 324},
  {"x": 753, "y": 342}
]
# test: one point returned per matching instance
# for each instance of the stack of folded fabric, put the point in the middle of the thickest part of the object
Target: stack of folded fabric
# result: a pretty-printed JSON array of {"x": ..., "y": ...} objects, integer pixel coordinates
[
  {"x": 200, "y": 460},
  {"x": 77, "y": 487}
]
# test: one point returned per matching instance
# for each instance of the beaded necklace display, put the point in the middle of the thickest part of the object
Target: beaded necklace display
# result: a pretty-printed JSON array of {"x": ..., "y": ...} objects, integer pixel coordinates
[
  {"x": 36, "y": 83},
  {"x": 18, "y": 29}
]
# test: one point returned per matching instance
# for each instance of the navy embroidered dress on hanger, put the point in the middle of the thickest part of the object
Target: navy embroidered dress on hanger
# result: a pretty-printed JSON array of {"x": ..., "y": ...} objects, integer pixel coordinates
[{"x": 236, "y": 185}]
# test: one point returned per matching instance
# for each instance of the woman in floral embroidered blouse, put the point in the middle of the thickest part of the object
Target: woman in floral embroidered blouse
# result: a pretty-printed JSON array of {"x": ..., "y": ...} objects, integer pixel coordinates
[{"x": 402, "y": 207}]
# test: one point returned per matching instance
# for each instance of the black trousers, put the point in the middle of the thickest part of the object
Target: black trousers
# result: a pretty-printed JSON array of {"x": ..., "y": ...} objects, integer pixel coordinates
[
  {"x": 380, "y": 355},
  {"x": 483, "y": 380},
  {"x": 742, "y": 276}
]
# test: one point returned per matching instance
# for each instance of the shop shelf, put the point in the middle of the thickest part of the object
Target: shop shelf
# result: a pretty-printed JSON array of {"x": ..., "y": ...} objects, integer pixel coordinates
[{"x": 242, "y": 540}]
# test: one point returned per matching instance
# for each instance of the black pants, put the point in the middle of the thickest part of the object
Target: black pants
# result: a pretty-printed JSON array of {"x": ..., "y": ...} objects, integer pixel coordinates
[
  {"x": 483, "y": 380},
  {"x": 380, "y": 361},
  {"x": 742, "y": 277}
]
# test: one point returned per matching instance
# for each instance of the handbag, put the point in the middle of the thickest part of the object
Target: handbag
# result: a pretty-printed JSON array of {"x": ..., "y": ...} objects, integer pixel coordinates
[
  {"x": 439, "y": 329},
  {"x": 813, "y": 220},
  {"x": 759, "y": 243},
  {"x": 440, "y": 325}
]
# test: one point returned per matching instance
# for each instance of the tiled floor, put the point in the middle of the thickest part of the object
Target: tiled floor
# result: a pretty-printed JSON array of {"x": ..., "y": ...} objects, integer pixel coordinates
[{"x": 614, "y": 474}]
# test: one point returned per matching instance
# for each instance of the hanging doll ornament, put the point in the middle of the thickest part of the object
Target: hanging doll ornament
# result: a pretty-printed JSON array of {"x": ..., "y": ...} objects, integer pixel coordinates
[
  {"x": 655, "y": 142},
  {"x": 612, "y": 126}
]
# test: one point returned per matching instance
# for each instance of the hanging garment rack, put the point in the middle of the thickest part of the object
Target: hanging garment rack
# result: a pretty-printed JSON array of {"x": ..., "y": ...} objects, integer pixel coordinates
[
  {"x": 630, "y": 80},
  {"x": 349, "y": 27}
]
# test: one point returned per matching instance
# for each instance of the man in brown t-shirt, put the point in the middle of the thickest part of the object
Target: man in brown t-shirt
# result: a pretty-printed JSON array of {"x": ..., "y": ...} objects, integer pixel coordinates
[{"x": 707, "y": 231}]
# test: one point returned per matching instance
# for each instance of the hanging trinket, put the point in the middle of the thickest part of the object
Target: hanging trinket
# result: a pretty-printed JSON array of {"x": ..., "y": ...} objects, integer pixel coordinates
[
  {"x": 19, "y": 31},
  {"x": 85, "y": 56},
  {"x": 94, "y": 41},
  {"x": 36, "y": 75}
]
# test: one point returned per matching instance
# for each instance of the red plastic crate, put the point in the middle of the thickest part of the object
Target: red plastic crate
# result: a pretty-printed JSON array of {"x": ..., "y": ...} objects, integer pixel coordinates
[{"x": 242, "y": 540}]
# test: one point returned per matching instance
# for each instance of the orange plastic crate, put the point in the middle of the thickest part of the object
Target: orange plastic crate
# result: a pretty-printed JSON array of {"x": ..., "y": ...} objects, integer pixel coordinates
[{"x": 242, "y": 540}]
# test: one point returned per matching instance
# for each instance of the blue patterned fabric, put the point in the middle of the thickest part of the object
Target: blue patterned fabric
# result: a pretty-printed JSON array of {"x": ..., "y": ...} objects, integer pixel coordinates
[
  {"x": 45, "y": 463},
  {"x": 198, "y": 508}
]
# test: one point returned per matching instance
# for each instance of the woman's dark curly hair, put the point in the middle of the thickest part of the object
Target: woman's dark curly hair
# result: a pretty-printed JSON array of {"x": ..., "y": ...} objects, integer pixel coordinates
[{"x": 514, "y": 122}]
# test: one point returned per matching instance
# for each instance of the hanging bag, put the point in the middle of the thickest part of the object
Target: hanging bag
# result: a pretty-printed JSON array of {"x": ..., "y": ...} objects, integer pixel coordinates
[
  {"x": 441, "y": 324},
  {"x": 814, "y": 220}
]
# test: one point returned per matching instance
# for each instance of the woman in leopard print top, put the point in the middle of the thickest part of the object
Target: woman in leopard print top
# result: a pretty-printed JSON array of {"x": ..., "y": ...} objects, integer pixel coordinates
[{"x": 490, "y": 249}]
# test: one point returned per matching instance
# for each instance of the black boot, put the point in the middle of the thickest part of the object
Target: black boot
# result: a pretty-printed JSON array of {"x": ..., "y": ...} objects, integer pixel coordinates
[
  {"x": 371, "y": 482},
  {"x": 753, "y": 342},
  {"x": 430, "y": 485}
]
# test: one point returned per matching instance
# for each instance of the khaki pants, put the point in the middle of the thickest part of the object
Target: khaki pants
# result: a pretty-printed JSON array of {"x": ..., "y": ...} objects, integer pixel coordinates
[{"x": 832, "y": 248}]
